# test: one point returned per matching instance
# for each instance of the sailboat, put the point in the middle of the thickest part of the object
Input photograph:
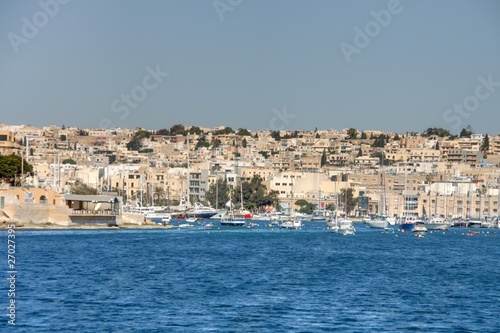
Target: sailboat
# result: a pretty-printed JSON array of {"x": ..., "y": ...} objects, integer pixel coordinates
[
  {"x": 344, "y": 225},
  {"x": 242, "y": 213},
  {"x": 229, "y": 218}
]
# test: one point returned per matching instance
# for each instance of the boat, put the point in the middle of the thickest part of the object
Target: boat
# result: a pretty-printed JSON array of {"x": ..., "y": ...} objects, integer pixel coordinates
[
  {"x": 407, "y": 223},
  {"x": 201, "y": 211},
  {"x": 419, "y": 228},
  {"x": 219, "y": 215},
  {"x": 243, "y": 214},
  {"x": 193, "y": 219},
  {"x": 378, "y": 222},
  {"x": 459, "y": 222},
  {"x": 476, "y": 223},
  {"x": 157, "y": 217},
  {"x": 345, "y": 227},
  {"x": 166, "y": 220},
  {"x": 230, "y": 220},
  {"x": 268, "y": 216},
  {"x": 367, "y": 218},
  {"x": 319, "y": 215},
  {"x": 332, "y": 223},
  {"x": 291, "y": 223},
  {"x": 437, "y": 223}
]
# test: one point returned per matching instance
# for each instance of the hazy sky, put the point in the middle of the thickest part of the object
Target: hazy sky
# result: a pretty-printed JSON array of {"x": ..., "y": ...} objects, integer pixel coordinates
[{"x": 389, "y": 65}]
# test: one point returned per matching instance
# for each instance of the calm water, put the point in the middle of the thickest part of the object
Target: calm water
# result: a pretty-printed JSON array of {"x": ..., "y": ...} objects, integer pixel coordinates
[{"x": 254, "y": 280}]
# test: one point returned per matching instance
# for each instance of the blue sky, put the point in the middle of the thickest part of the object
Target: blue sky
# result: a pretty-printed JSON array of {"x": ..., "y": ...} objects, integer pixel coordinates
[{"x": 252, "y": 64}]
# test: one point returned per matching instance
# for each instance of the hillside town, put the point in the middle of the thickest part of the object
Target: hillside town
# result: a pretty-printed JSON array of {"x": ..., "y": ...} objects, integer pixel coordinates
[{"x": 431, "y": 173}]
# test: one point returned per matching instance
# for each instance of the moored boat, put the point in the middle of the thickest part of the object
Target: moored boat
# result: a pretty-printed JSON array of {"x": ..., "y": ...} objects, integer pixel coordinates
[
  {"x": 378, "y": 222},
  {"x": 345, "y": 227},
  {"x": 419, "y": 228},
  {"x": 437, "y": 223},
  {"x": 292, "y": 223},
  {"x": 230, "y": 220}
]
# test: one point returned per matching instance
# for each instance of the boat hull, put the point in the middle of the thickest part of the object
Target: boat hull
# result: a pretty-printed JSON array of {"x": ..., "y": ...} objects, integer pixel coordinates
[
  {"x": 378, "y": 224},
  {"x": 406, "y": 226},
  {"x": 232, "y": 223},
  {"x": 437, "y": 226}
]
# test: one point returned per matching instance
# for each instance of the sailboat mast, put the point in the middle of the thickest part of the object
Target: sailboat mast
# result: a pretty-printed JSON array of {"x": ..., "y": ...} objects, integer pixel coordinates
[{"x": 217, "y": 192}]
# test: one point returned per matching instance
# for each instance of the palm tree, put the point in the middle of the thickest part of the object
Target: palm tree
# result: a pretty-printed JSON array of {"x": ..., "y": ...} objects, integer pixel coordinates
[
  {"x": 159, "y": 193},
  {"x": 481, "y": 191}
]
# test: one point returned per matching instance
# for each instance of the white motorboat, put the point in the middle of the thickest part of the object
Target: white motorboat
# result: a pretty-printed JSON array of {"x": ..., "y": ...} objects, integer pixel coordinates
[
  {"x": 419, "y": 228},
  {"x": 201, "y": 211},
  {"x": 345, "y": 227},
  {"x": 437, "y": 223},
  {"x": 294, "y": 223},
  {"x": 332, "y": 223},
  {"x": 378, "y": 222}
]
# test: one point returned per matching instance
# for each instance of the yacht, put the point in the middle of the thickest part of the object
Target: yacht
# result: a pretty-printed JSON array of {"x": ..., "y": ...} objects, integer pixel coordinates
[
  {"x": 201, "y": 211},
  {"x": 157, "y": 217},
  {"x": 378, "y": 222},
  {"x": 345, "y": 227},
  {"x": 332, "y": 223},
  {"x": 419, "y": 228},
  {"x": 292, "y": 223},
  {"x": 407, "y": 222},
  {"x": 319, "y": 215},
  {"x": 437, "y": 223}
]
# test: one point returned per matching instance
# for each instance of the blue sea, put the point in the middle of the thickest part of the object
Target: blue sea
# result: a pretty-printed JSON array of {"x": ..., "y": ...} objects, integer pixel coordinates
[{"x": 237, "y": 279}]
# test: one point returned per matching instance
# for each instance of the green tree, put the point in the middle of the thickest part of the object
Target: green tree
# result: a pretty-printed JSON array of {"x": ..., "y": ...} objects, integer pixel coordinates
[
  {"x": 69, "y": 161},
  {"x": 379, "y": 141},
  {"x": 202, "y": 142},
  {"x": 276, "y": 135},
  {"x": 226, "y": 130},
  {"x": 323, "y": 158},
  {"x": 163, "y": 131},
  {"x": 352, "y": 132},
  {"x": 466, "y": 132},
  {"x": 255, "y": 194},
  {"x": 135, "y": 144},
  {"x": 244, "y": 143},
  {"x": 218, "y": 193},
  {"x": 79, "y": 187},
  {"x": 363, "y": 136},
  {"x": 348, "y": 200},
  {"x": 195, "y": 130},
  {"x": 486, "y": 144},
  {"x": 305, "y": 207},
  {"x": 244, "y": 132},
  {"x": 265, "y": 154},
  {"x": 178, "y": 129},
  {"x": 437, "y": 131},
  {"x": 13, "y": 169},
  {"x": 216, "y": 143},
  {"x": 330, "y": 206},
  {"x": 158, "y": 193},
  {"x": 62, "y": 137}
]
